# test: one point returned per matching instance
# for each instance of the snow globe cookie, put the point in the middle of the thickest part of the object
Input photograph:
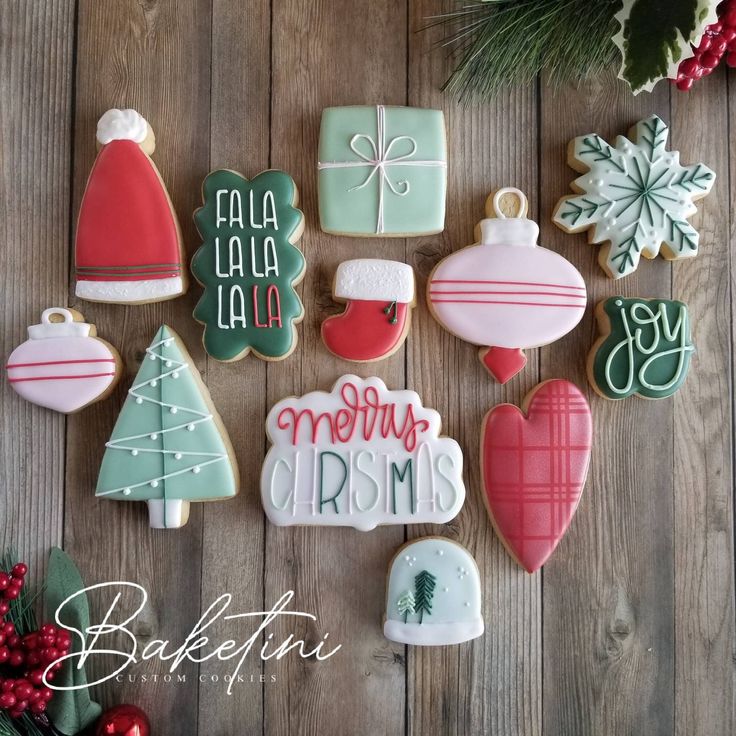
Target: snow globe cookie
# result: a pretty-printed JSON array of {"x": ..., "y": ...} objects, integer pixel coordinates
[
  {"x": 506, "y": 292},
  {"x": 169, "y": 447},
  {"x": 634, "y": 198},
  {"x": 63, "y": 365},
  {"x": 433, "y": 597},
  {"x": 382, "y": 171},
  {"x": 380, "y": 297},
  {"x": 128, "y": 245}
]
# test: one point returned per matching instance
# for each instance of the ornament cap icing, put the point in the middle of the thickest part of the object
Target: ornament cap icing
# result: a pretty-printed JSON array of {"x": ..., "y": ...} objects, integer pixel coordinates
[{"x": 67, "y": 327}]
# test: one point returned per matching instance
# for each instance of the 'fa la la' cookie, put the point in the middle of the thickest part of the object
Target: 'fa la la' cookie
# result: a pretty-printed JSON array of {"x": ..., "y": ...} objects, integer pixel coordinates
[
  {"x": 169, "y": 446},
  {"x": 644, "y": 348},
  {"x": 128, "y": 246},
  {"x": 506, "y": 292},
  {"x": 380, "y": 297},
  {"x": 534, "y": 462},
  {"x": 360, "y": 455},
  {"x": 382, "y": 171},
  {"x": 63, "y": 365},
  {"x": 249, "y": 265},
  {"x": 634, "y": 198},
  {"x": 433, "y": 595}
]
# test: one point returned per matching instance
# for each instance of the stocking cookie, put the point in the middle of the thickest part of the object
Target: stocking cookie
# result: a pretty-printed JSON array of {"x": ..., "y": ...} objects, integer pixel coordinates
[
  {"x": 506, "y": 292},
  {"x": 534, "y": 462},
  {"x": 375, "y": 323},
  {"x": 128, "y": 247},
  {"x": 433, "y": 594},
  {"x": 63, "y": 365},
  {"x": 361, "y": 455},
  {"x": 644, "y": 348},
  {"x": 249, "y": 265},
  {"x": 634, "y": 198},
  {"x": 168, "y": 447}
]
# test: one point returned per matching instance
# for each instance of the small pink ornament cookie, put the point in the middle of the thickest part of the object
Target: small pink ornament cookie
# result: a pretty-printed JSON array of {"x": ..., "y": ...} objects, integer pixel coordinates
[
  {"x": 63, "y": 365},
  {"x": 506, "y": 292},
  {"x": 375, "y": 323}
]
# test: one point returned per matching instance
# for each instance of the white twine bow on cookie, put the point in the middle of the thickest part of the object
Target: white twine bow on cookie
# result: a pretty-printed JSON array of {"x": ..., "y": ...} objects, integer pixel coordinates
[{"x": 379, "y": 158}]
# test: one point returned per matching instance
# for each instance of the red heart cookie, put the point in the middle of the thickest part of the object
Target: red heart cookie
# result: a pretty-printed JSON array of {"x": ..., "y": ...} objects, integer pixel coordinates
[{"x": 534, "y": 466}]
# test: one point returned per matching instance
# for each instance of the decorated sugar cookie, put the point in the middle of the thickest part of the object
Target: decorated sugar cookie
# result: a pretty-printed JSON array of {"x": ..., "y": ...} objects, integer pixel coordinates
[
  {"x": 634, "y": 198},
  {"x": 433, "y": 595},
  {"x": 168, "y": 447},
  {"x": 380, "y": 297},
  {"x": 63, "y": 365},
  {"x": 382, "y": 171},
  {"x": 644, "y": 348},
  {"x": 249, "y": 265},
  {"x": 506, "y": 292},
  {"x": 128, "y": 247},
  {"x": 361, "y": 455},
  {"x": 534, "y": 462}
]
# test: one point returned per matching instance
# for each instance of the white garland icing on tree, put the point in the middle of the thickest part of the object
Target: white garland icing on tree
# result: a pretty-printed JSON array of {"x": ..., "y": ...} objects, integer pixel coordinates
[{"x": 636, "y": 197}]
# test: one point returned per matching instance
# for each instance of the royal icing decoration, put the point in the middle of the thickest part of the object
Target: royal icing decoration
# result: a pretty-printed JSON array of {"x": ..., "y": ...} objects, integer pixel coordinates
[
  {"x": 534, "y": 466},
  {"x": 645, "y": 348},
  {"x": 249, "y": 265},
  {"x": 380, "y": 297},
  {"x": 128, "y": 247},
  {"x": 63, "y": 365},
  {"x": 360, "y": 455},
  {"x": 168, "y": 447},
  {"x": 634, "y": 197},
  {"x": 382, "y": 171},
  {"x": 507, "y": 292},
  {"x": 433, "y": 595}
]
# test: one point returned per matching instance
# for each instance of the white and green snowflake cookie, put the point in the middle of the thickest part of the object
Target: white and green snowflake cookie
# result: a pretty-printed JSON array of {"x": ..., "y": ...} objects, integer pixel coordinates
[{"x": 634, "y": 198}]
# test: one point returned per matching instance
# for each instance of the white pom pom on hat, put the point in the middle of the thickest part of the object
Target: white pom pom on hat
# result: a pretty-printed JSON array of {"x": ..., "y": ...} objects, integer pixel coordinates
[{"x": 117, "y": 125}]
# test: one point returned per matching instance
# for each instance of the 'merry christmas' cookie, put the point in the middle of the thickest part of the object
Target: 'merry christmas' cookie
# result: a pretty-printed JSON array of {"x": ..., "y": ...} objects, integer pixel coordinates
[
  {"x": 128, "y": 246},
  {"x": 168, "y": 447},
  {"x": 361, "y": 455},
  {"x": 249, "y": 265},
  {"x": 644, "y": 348},
  {"x": 433, "y": 595},
  {"x": 634, "y": 198},
  {"x": 380, "y": 297},
  {"x": 534, "y": 463},
  {"x": 507, "y": 292},
  {"x": 63, "y": 365}
]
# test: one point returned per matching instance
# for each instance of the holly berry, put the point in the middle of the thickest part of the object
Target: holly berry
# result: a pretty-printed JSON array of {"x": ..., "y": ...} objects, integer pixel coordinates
[{"x": 718, "y": 40}]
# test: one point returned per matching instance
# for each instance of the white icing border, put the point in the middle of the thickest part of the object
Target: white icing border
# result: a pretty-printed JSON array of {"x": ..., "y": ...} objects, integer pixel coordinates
[
  {"x": 125, "y": 125},
  {"x": 129, "y": 291},
  {"x": 428, "y": 635},
  {"x": 375, "y": 279}
]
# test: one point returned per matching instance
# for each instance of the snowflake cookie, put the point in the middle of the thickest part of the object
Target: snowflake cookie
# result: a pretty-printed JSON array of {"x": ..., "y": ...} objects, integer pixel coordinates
[{"x": 635, "y": 198}]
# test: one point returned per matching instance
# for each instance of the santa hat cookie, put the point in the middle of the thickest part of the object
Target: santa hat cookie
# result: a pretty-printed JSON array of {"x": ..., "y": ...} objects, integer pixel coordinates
[
  {"x": 380, "y": 296},
  {"x": 128, "y": 247},
  {"x": 433, "y": 594}
]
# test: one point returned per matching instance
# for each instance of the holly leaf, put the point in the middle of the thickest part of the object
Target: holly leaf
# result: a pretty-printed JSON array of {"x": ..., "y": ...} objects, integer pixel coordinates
[
  {"x": 71, "y": 711},
  {"x": 655, "y": 37}
]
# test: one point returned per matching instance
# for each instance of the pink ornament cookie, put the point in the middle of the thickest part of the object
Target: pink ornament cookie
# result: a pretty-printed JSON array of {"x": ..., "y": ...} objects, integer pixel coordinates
[
  {"x": 63, "y": 365},
  {"x": 506, "y": 293}
]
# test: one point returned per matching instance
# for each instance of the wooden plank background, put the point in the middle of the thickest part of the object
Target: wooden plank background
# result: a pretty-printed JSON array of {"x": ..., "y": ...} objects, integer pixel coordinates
[{"x": 629, "y": 629}]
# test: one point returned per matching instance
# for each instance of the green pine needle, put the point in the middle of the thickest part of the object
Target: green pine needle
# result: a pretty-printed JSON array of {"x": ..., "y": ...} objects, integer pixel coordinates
[{"x": 504, "y": 43}]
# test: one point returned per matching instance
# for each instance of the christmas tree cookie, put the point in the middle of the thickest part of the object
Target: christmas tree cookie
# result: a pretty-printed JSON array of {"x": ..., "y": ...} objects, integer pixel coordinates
[
  {"x": 375, "y": 323},
  {"x": 168, "y": 447},
  {"x": 634, "y": 198},
  {"x": 128, "y": 246},
  {"x": 249, "y": 265},
  {"x": 433, "y": 595}
]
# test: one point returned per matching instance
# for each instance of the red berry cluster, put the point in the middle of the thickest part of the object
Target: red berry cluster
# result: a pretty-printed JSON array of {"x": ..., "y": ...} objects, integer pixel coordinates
[
  {"x": 718, "y": 39},
  {"x": 23, "y": 660}
]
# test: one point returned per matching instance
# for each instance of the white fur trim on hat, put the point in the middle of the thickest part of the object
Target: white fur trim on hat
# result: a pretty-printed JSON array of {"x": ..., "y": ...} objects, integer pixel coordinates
[
  {"x": 149, "y": 290},
  {"x": 373, "y": 279},
  {"x": 117, "y": 125}
]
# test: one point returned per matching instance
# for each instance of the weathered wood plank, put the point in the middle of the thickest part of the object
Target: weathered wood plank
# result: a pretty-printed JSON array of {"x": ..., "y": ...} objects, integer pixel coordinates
[
  {"x": 234, "y": 531},
  {"x": 332, "y": 53},
  {"x": 154, "y": 57},
  {"x": 608, "y": 590},
  {"x": 493, "y": 684},
  {"x": 36, "y": 47}
]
